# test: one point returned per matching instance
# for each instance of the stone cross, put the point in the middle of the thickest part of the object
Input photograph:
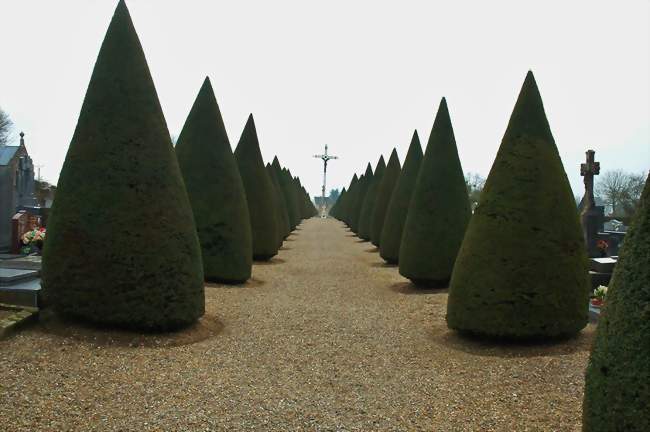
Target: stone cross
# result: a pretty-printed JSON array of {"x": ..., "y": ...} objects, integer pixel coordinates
[
  {"x": 326, "y": 158},
  {"x": 592, "y": 216},
  {"x": 588, "y": 170}
]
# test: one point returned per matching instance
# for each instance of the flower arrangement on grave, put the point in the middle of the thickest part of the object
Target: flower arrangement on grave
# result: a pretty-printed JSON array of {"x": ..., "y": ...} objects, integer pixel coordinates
[
  {"x": 602, "y": 246},
  {"x": 599, "y": 296},
  {"x": 33, "y": 240}
]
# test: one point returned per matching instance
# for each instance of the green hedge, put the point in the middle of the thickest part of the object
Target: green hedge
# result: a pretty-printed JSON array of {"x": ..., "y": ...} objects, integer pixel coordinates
[
  {"x": 216, "y": 192},
  {"x": 617, "y": 387},
  {"x": 391, "y": 235},
  {"x": 522, "y": 269},
  {"x": 122, "y": 248}
]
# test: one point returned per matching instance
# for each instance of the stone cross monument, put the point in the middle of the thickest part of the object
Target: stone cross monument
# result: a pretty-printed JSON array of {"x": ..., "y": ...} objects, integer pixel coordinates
[
  {"x": 592, "y": 216},
  {"x": 326, "y": 158}
]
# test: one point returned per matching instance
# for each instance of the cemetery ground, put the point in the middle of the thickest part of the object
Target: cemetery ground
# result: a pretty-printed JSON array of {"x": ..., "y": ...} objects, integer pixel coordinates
[{"x": 324, "y": 337}]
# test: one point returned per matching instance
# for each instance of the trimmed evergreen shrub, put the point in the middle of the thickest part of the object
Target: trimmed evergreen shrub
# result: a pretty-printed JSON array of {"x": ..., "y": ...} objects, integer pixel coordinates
[
  {"x": 289, "y": 197},
  {"x": 335, "y": 208},
  {"x": 370, "y": 199},
  {"x": 384, "y": 192},
  {"x": 260, "y": 194},
  {"x": 357, "y": 205},
  {"x": 294, "y": 198},
  {"x": 283, "y": 215},
  {"x": 297, "y": 187},
  {"x": 522, "y": 272},
  {"x": 617, "y": 386},
  {"x": 349, "y": 198},
  {"x": 439, "y": 210},
  {"x": 122, "y": 248},
  {"x": 391, "y": 235},
  {"x": 216, "y": 192}
]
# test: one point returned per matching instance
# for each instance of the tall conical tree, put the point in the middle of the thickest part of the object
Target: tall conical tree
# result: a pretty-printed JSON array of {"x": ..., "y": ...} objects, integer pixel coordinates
[
  {"x": 357, "y": 205},
  {"x": 391, "y": 236},
  {"x": 216, "y": 192},
  {"x": 334, "y": 211},
  {"x": 121, "y": 207},
  {"x": 294, "y": 200},
  {"x": 283, "y": 215},
  {"x": 260, "y": 194},
  {"x": 439, "y": 210},
  {"x": 617, "y": 386},
  {"x": 370, "y": 199},
  {"x": 349, "y": 198},
  {"x": 522, "y": 268},
  {"x": 288, "y": 198},
  {"x": 384, "y": 192},
  {"x": 301, "y": 200}
]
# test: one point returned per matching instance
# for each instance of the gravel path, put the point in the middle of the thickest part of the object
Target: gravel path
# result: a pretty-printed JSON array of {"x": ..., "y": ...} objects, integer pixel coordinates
[{"x": 325, "y": 337}]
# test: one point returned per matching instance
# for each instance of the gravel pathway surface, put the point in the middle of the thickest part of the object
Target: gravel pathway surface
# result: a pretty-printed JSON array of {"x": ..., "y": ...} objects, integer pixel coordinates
[{"x": 324, "y": 338}]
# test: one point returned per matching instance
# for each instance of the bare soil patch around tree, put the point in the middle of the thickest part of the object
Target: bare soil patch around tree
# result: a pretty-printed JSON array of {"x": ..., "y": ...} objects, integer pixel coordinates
[{"x": 324, "y": 338}]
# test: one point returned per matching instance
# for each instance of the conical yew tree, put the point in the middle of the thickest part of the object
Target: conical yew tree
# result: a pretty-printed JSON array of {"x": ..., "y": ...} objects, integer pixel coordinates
[
  {"x": 281, "y": 208},
  {"x": 349, "y": 198},
  {"x": 391, "y": 235},
  {"x": 301, "y": 199},
  {"x": 122, "y": 248},
  {"x": 617, "y": 386},
  {"x": 384, "y": 192},
  {"x": 357, "y": 205},
  {"x": 216, "y": 192},
  {"x": 288, "y": 198},
  {"x": 294, "y": 199},
  {"x": 439, "y": 210},
  {"x": 260, "y": 194},
  {"x": 370, "y": 199},
  {"x": 335, "y": 208},
  {"x": 522, "y": 268}
]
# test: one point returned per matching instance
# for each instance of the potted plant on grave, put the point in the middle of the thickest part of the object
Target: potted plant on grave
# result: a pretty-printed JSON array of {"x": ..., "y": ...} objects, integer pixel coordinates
[
  {"x": 33, "y": 241},
  {"x": 599, "y": 296},
  {"x": 602, "y": 246}
]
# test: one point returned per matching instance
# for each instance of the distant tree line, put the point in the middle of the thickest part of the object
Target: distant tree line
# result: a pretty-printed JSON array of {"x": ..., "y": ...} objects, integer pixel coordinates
[{"x": 620, "y": 190}]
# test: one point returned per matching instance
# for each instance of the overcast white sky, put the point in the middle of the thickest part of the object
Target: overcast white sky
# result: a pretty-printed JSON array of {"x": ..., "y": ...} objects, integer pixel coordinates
[{"x": 357, "y": 75}]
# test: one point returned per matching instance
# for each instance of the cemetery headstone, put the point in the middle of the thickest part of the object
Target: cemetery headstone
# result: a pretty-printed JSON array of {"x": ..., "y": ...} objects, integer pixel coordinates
[
  {"x": 22, "y": 222},
  {"x": 592, "y": 216}
]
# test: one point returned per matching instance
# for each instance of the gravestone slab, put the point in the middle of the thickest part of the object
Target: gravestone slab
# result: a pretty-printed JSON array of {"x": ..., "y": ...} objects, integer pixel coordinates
[
  {"x": 603, "y": 265},
  {"x": 30, "y": 262},
  {"x": 25, "y": 293},
  {"x": 13, "y": 276},
  {"x": 4, "y": 256}
]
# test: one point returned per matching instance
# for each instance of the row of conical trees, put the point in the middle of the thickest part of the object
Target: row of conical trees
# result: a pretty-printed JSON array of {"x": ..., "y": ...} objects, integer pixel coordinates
[
  {"x": 137, "y": 226},
  {"x": 516, "y": 267}
]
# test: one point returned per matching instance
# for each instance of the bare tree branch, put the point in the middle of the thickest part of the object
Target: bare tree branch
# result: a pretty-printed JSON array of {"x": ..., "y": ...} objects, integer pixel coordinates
[
  {"x": 5, "y": 127},
  {"x": 621, "y": 190},
  {"x": 475, "y": 185}
]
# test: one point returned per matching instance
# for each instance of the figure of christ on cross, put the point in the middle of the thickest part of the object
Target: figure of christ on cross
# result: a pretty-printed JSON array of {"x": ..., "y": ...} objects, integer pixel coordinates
[{"x": 326, "y": 158}]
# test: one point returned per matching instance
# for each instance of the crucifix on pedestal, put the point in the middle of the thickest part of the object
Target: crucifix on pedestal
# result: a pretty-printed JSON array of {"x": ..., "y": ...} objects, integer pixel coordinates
[{"x": 326, "y": 158}]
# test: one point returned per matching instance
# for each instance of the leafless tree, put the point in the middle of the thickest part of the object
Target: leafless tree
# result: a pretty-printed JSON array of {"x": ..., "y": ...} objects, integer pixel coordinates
[
  {"x": 475, "y": 185},
  {"x": 5, "y": 127},
  {"x": 621, "y": 190}
]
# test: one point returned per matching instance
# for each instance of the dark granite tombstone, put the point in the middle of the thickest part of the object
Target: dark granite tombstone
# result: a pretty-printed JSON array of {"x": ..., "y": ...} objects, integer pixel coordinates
[{"x": 22, "y": 222}]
